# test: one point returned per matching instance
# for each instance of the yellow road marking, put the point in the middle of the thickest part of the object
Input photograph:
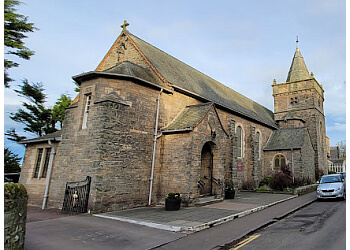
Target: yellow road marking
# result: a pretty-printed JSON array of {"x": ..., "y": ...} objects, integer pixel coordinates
[{"x": 246, "y": 241}]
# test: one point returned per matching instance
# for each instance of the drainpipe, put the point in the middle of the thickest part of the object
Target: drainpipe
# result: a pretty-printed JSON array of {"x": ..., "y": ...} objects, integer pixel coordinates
[
  {"x": 48, "y": 177},
  {"x": 292, "y": 165},
  {"x": 155, "y": 137}
]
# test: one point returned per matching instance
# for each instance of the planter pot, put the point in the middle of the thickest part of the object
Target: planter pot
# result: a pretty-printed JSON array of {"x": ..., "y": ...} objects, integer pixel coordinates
[
  {"x": 172, "y": 204},
  {"x": 230, "y": 194}
]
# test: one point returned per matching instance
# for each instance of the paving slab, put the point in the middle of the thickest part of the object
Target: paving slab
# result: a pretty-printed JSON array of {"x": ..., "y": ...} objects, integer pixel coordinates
[{"x": 193, "y": 219}]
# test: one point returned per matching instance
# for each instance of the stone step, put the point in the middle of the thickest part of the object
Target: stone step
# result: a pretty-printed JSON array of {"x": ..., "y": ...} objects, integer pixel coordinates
[{"x": 206, "y": 200}]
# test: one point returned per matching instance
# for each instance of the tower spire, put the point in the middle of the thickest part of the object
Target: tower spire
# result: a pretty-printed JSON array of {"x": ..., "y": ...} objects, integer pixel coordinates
[{"x": 298, "y": 70}]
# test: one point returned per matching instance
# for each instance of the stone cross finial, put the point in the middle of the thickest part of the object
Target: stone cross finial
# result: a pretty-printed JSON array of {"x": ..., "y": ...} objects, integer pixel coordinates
[
  {"x": 297, "y": 42},
  {"x": 124, "y": 26}
]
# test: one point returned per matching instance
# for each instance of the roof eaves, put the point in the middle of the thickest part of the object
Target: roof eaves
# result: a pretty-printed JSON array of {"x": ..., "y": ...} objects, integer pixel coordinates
[
  {"x": 35, "y": 140},
  {"x": 174, "y": 131},
  {"x": 92, "y": 74}
]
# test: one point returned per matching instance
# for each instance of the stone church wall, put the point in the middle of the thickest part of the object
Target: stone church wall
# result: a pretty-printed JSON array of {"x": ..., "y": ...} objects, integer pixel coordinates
[{"x": 35, "y": 186}]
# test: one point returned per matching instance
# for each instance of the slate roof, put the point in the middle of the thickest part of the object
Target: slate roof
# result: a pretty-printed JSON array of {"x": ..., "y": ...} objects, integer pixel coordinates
[
  {"x": 188, "y": 118},
  {"x": 131, "y": 69},
  {"x": 183, "y": 77},
  {"x": 298, "y": 70},
  {"x": 286, "y": 138},
  {"x": 55, "y": 136}
]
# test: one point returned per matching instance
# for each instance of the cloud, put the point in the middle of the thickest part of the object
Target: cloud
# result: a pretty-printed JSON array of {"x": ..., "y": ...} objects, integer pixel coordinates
[{"x": 336, "y": 127}]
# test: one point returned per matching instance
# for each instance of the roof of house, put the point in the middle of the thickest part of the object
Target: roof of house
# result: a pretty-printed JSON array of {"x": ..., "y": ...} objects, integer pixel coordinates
[
  {"x": 286, "y": 139},
  {"x": 183, "y": 77},
  {"x": 188, "y": 118},
  {"x": 55, "y": 136}
]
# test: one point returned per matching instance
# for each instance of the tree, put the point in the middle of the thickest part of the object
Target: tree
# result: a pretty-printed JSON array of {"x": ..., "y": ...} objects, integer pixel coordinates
[
  {"x": 36, "y": 118},
  {"x": 59, "y": 110},
  {"x": 11, "y": 161},
  {"x": 15, "y": 27}
]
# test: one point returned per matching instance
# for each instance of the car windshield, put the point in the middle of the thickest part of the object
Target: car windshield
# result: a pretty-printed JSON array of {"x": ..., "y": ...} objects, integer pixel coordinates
[{"x": 330, "y": 179}]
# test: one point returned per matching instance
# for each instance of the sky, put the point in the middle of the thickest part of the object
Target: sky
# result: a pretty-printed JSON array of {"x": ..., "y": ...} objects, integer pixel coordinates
[{"x": 242, "y": 44}]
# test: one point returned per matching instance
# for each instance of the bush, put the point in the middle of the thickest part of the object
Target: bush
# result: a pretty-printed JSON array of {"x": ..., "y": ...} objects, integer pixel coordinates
[
  {"x": 332, "y": 172},
  {"x": 302, "y": 182},
  {"x": 14, "y": 191},
  {"x": 283, "y": 179},
  {"x": 266, "y": 181},
  {"x": 318, "y": 174},
  {"x": 248, "y": 185},
  {"x": 174, "y": 196}
]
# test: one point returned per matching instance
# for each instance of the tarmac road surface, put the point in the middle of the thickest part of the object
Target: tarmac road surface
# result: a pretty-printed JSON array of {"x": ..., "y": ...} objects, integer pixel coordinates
[{"x": 321, "y": 225}]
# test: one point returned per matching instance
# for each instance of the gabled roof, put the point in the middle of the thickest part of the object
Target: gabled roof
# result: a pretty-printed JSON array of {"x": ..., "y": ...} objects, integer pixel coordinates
[
  {"x": 286, "y": 139},
  {"x": 185, "y": 78},
  {"x": 188, "y": 118},
  {"x": 298, "y": 70},
  {"x": 55, "y": 136},
  {"x": 133, "y": 70}
]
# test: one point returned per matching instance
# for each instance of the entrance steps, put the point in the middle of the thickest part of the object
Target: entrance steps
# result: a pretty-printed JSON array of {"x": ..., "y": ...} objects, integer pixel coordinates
[{"x": 206, "y": 200}]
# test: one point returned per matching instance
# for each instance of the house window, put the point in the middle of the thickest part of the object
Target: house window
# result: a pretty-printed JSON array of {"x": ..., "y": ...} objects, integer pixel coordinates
[
  {"x": 239, "y": 141},
  {"x": 46, "y": 163},
  {"x": 258, "y": 143},
  {"x": 86, "y": 111},
  {"x": 42, "y": 163},
  {"x": 279, "y": 161},
  {"x": 38, "y": 163}
]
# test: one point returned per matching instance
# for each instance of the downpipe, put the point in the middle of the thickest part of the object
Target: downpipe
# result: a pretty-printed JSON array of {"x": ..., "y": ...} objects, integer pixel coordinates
[
  {"x": 155, "y": 137},
  {"x": 52, "y": 155}
]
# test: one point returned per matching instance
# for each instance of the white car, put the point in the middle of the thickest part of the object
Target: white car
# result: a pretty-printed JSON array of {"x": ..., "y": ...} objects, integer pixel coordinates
[{"x": 331, "y": 186}]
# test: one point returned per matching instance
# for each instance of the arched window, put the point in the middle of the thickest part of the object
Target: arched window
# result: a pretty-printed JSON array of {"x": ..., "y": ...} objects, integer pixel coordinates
[
  {"x": 239, "y": 141},
  {"x": 279, "y": 161},
  {"x": 258, "y": 143}
]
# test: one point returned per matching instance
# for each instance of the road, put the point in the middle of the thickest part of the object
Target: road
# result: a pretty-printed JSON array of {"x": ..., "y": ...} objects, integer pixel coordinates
[{"x": 322, "y": 225}]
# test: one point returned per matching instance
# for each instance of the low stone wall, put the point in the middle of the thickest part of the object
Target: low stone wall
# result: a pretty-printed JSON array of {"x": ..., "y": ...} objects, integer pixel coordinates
[
  {"x": 305, "y": 189},
  {"x": 15, "y": 215}
]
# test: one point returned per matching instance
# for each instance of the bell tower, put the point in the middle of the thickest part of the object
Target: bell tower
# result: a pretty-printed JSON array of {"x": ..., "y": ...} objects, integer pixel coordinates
[{"x": 302, "y": 97}]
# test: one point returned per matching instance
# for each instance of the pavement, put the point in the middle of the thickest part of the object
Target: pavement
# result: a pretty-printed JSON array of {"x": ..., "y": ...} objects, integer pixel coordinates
[
  {"x": 155, "y": 228},
  {"x": 194, "y": 219}
]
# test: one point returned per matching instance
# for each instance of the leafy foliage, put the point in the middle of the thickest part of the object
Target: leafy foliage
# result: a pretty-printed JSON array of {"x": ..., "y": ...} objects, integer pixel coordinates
[
  {"x": 11, "y": 162},
  {"x": 265, "y": 182},
  {"x": 248, "y": 185},
  {"x": 283, "y": 179},
  {"x": 318, "y": 174},
  {"x": 14, "y": 191},
  {"x": 15, "y": 27},
  {"x": 173, "y": 196},
  {"x": 59, "y": 110},
  {"x": 36, "y": 118}
]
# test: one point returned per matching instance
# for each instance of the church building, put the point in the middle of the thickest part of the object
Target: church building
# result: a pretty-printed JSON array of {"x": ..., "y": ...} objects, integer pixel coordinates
[{"x": 146, "y": 124}]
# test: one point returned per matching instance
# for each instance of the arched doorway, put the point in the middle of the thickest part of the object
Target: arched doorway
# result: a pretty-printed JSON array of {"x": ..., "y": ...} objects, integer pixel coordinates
[{"x": 207, "y": 162}]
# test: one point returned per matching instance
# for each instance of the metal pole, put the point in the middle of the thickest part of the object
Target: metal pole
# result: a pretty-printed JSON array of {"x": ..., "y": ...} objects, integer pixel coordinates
[
  {"x": 52, "y": 155},
  {"x": 154, "y": 149},
  {"x": 292, "y": 165}
]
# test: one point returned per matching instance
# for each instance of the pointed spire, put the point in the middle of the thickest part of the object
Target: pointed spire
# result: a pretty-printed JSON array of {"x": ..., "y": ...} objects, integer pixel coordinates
[{"x": 298, "y": 70}]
